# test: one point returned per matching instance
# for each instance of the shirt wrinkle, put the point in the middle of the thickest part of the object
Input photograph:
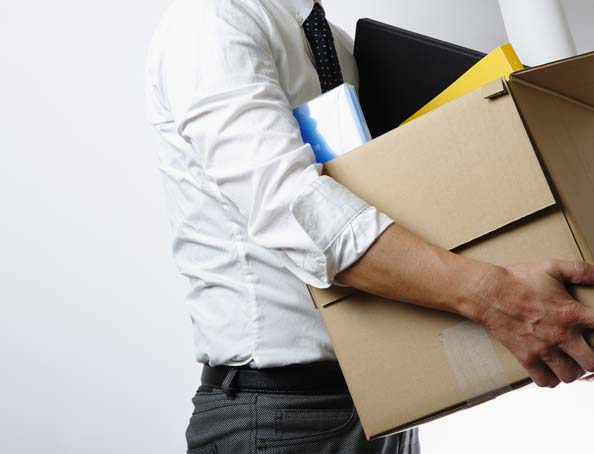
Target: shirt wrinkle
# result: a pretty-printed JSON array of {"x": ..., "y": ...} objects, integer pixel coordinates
[{"x": 252, "y": 218}]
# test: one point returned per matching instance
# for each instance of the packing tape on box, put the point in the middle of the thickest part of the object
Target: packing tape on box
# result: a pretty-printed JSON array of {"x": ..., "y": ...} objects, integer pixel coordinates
[{"x": 474, "y": 362}]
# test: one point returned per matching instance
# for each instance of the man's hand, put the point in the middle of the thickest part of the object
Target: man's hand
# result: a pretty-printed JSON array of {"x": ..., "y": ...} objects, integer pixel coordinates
[
  {"x": 525, "y": 306},
  {"x": 528, "y": 309}
]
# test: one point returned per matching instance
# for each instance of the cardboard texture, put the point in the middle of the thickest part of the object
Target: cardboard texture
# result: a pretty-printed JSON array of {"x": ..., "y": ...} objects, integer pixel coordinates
[{"x": 503, "y": 174}]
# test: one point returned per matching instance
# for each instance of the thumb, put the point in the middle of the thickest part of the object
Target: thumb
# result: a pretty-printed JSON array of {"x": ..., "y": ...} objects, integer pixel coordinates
[{"x": 574, "y": 272}]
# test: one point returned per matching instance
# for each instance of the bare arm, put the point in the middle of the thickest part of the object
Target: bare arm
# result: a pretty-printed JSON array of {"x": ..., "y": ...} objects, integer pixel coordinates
[{"x": 525, "y": 306}]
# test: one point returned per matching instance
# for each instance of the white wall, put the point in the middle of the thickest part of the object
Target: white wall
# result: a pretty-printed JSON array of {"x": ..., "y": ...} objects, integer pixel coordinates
[
  {"x": 470, "y": 23},
  {"x": 95, "y": 341},
  {"x": 580, "y": 15}
]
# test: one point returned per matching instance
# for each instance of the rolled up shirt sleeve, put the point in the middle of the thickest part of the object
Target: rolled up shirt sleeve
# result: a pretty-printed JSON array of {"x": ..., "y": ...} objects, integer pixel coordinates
[{"x": 224, "y": 91}]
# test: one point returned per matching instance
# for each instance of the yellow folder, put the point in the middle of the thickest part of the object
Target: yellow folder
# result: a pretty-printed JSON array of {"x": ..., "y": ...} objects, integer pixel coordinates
[{"x": 500, "y": 63}]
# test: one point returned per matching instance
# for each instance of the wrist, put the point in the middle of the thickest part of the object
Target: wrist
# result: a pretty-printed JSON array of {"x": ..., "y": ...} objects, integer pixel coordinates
[{"x": 482, "y": 285}]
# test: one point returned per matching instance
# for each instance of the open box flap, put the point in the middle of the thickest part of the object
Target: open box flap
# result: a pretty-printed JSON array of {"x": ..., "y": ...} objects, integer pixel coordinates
[
  {"x": 562, "y": 130},
  {"x": 571, "y": 77},
  {"x": 480, "y": 137}
]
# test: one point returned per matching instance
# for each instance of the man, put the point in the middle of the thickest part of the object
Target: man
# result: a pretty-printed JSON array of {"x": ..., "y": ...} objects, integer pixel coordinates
[{"x": 254, "y": 221}]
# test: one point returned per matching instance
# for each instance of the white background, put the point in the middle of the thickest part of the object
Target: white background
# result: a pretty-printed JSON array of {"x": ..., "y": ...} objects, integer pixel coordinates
[{"x": 95, "y": 340}]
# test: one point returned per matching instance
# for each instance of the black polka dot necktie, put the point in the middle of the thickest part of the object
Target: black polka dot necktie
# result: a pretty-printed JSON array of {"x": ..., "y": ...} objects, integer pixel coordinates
[{"x": 318, "y": 33}]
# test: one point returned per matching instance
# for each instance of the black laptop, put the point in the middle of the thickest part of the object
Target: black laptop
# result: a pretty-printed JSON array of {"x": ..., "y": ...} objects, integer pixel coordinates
[{"x": 400, "y": 71}]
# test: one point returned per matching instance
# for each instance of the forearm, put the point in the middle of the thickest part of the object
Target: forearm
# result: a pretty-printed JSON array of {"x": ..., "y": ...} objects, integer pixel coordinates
[{"x": 402, "y": 267}]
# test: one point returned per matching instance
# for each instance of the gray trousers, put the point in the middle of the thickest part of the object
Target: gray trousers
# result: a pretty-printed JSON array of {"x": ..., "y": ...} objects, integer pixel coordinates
[{"x": 274, "y": 423}]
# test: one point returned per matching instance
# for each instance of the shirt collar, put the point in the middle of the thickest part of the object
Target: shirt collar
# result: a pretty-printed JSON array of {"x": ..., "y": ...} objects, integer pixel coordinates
[{"x": 300, "y": 9}]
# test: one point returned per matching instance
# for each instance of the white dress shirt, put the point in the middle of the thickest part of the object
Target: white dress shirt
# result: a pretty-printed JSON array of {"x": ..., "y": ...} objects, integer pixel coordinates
[{"x": 252, "y": 217}]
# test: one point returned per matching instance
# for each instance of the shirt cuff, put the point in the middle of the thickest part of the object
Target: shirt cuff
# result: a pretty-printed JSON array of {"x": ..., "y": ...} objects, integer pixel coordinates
[{"x": 341, "y": 225}]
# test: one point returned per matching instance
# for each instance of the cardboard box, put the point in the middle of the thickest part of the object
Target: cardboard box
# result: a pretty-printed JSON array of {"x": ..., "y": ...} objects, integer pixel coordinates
[{"x": 503, "y": 174}]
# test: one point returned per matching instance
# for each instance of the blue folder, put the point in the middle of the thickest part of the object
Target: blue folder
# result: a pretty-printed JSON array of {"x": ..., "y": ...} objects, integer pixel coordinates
[{"x": 333, "y": 123}]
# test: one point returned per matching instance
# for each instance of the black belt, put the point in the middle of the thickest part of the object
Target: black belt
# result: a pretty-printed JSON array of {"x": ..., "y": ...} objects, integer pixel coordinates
[{"x": 312, "y": 378}]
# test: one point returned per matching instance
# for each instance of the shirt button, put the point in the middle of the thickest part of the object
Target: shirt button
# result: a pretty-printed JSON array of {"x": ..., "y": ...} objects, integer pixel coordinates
[{"x": 299, "y": 17}]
